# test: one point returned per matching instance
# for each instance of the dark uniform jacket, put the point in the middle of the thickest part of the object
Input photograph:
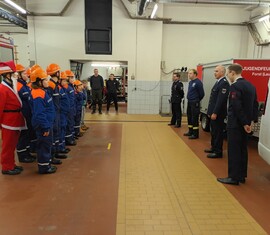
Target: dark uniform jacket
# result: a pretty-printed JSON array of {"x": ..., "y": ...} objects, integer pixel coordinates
[
  {"x": 177, "y": 92},
  {"x": 195, "y": 90},
  {"x": 243, "y": 104},
  {"x": 218, "y": 98},
  {"x": 112, "y": 86}
]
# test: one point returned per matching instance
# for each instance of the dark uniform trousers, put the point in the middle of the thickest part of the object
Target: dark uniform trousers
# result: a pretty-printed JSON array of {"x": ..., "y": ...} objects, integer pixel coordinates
[
  {"x": 97, "y": 98},
  {"x": 193, "y": 112},
  {"x": 237, "y": 153},
  {"x": 112, "y": 97},
  {"x": 176, "y": 114},
  {"x": 217, "y": 128}
]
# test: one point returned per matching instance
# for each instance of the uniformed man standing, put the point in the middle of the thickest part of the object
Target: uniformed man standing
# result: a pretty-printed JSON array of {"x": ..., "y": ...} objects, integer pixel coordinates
[
  {"x": 243, "y": 109},
  {"x": 195, "y": 95},
  {"x": 217, "y": 111},
  {"x": 176, "y": 100}
]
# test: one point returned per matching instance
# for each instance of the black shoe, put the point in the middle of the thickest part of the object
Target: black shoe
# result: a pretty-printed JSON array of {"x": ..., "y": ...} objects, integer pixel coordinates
[
  {"x": 208, "y": 151},
  {"x": 170, "y": 124},
  {"x": 228, "y": 180},
  {"x": 193, "y": 137},
  {"x": 214, "y": 155},
  {"x": 64, "y": 151},
  {"x": 51, "y": 170},
  {"x": 188, "y": 134},
  {"x": 242, "y": 181},
  {"x": 72, "y": 143},
  {"x": 19, "y": 168},
  {"x": 94, "y": 111},
  {"x": 27, "y": 159},
  {"x": 56, "y": 161},
  {"x": 99, "y": 112},
  {"x": 177, "y": 126},
  {"x": 11, "y": 172},
  {"x": 60, "y": 156}
]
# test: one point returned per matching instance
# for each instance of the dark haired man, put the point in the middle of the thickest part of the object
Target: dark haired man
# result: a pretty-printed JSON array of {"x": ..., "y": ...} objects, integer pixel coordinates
[{"x": 242, "y": 111}]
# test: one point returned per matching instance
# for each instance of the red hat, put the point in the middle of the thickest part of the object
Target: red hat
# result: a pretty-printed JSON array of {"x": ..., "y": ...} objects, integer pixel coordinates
[{"x": 7, "y": 67}]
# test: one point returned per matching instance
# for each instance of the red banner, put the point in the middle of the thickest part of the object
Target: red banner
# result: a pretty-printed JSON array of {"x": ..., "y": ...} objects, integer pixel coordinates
[{"x": 258, "y": 73}]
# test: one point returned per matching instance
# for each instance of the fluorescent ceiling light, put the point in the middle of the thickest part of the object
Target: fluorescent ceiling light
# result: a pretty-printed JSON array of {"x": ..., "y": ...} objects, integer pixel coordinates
[
  {"x": 263, "y": 18},
  {"x": 105, "y": 65},
  {"x": 154, "y": 11},
  {"x": 16, "y": 6}
]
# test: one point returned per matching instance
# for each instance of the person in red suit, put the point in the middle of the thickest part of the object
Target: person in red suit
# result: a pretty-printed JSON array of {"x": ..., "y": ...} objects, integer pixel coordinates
[{"x": 11, "y": 118}]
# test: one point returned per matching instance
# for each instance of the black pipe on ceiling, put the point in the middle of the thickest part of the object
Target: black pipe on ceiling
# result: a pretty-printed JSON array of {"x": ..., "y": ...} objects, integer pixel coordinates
[{"x": 13, "y": 19}]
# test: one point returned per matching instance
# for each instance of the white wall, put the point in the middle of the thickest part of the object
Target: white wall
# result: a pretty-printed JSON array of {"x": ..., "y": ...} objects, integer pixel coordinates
[
  {"x": 21, "y": 41},
  {"x": 189, "y": 45},
  {"x": 144, "y": 44}
]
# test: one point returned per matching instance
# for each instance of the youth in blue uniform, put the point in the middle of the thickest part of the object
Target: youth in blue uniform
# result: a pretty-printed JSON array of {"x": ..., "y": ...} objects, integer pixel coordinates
[
  {"x": 70, "y": 141},
  {"x": 54, "y": 71},
  {"x": 43, "y": 114},
  {"x": 195, "y": 95},
  {"x": 24, "y": 91},
  {"x": 217, "y": 111},
  {"x": 242, "y": 111},
  {"x": 78, "y": 104},
  {"x": 64, "y": 106}
]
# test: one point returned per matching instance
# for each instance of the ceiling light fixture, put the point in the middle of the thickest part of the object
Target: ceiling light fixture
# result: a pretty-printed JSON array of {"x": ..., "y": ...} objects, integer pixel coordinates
[
  {"x": 105, "y": 65},
  {"x": 16, "y": 6},
  {"x": 154, "y": 11}
]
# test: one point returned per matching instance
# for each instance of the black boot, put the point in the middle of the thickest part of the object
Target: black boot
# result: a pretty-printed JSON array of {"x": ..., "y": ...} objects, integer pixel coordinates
[
  {"x": 195, "y": 134},
  {"x": 190, "y": 132},
  {"x": 177, "y": 124}
]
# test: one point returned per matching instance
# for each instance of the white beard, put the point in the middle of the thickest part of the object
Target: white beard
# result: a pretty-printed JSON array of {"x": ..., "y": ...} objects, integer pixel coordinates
[{"x": 14, "y": 81}]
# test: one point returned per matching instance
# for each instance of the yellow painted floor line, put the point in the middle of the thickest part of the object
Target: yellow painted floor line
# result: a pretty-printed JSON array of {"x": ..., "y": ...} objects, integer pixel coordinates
[{"x": 166, "y": 190}]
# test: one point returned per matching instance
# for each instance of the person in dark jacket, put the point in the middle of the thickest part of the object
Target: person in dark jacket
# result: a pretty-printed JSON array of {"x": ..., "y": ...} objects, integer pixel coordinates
[
  {"x": 97, "y": 85},
  {"x": 217, "y": 111},
  {"x": 177, "y": 95},
  {"x": 242, "y": 111},
  {"x": 112, "y": 86},
  {"x": 195, "y": 95}
]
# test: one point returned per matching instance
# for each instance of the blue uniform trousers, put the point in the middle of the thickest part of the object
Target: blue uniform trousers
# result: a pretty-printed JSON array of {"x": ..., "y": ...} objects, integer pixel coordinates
[{"x": 44, "y": 146}]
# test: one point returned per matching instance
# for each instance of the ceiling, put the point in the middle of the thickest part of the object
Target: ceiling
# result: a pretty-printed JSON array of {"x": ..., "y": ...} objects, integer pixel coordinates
[
  {"x": 57, "y": 8},
  {"x": 33, "y": 7}
]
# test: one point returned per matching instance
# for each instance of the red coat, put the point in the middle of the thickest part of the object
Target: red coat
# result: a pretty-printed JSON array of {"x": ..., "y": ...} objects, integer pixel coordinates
[{"x": 10, "y": 101}]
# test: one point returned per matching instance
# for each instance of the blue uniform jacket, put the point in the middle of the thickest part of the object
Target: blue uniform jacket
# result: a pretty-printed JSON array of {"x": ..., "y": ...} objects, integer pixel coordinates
[
  {"x": 195, "y": 90},
  {"x": 218, "y": 98},
  {"x": 71, "y": 95},
  {"x": 43, "y": 110},
  {"x": 78, "y": 102},
  {"x": 24, "y": 92},
  {"x": 64, "y": 101},
  {"x": 53, "y": 90},
  {"x": 243, "y": 104}
]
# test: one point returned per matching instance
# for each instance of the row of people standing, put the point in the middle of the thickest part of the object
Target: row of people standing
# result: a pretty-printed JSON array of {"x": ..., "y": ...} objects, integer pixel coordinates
[
  {"x": 51, "y": 110},
  {"x": 237, "y": 101}
]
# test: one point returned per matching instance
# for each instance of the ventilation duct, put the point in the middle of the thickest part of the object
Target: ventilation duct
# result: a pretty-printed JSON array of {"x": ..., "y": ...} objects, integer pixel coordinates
[{"x": 224, "y": 2}]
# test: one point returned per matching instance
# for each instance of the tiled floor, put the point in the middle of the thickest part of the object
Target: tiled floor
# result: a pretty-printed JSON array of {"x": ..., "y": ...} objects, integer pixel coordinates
[
  {"x": 165, "y": 186},
  {"x": 166, "y": 190}
]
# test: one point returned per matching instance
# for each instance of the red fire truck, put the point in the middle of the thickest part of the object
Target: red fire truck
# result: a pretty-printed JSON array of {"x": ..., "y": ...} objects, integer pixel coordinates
[{"x": 256, "y": 71}]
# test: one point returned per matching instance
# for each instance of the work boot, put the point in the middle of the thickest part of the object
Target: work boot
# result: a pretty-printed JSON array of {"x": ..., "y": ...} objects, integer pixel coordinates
[
  {"x": 189, "y": 133},
  {"x": 50, "y": 170}
]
